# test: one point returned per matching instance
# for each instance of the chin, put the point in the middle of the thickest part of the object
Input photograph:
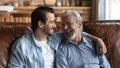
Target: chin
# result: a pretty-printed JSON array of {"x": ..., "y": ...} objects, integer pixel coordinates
[
  {"x": 71, "y": 36},
  {"x": 51, "y": 33}
]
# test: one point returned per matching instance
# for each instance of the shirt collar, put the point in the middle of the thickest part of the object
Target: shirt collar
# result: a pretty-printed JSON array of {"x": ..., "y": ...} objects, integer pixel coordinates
[
  {"x": 83, "y": 40},
  {"x": 50, "y": 42},
  {"x": 33, "y": 37}
]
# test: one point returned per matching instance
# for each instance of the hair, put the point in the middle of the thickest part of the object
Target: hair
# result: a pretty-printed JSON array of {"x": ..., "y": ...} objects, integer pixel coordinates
[
  {"x": 39, "y": 14},
  {"x": 75, "y": 13}
]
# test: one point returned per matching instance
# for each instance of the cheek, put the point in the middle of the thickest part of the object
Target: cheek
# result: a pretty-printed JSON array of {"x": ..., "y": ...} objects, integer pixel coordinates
[
  {"x": 75, "y": 27},
  {"x": 48, "y": 27},
  {"x": 72, "y": 28}
]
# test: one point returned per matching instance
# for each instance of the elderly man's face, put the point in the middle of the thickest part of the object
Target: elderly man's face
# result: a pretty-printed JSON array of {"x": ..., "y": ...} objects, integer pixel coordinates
[{"x": 71, "y": 27}]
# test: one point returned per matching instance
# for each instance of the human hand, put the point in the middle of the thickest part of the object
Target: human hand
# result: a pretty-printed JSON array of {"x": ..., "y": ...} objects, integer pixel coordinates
[
  {"x": 99, "y": 44},
  {"x": 100, "y": 47}
]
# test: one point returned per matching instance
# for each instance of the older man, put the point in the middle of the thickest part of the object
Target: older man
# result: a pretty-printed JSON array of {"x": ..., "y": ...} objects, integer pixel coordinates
[{"x": 77, "y": 50}]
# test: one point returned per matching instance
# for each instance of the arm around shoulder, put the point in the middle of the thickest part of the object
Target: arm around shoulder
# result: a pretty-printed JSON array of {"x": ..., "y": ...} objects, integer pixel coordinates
[
  {"x": 104, "y": 62},
  {"x": 101, "y": 48}
]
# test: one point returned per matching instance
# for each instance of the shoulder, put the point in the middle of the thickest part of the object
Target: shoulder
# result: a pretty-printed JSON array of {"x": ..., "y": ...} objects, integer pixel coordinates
[
  {"x": 58, "y": 35},
  {"x": 56, "y": 39},
  {"x": 64, "y": 46},
  {"x": 22, "y": 43},
  {"x": 84, "y": 33}
]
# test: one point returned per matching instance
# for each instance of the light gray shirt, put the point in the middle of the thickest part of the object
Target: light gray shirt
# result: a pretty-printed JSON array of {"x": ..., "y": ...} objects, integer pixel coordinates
[{"x": 82, "y": 55}]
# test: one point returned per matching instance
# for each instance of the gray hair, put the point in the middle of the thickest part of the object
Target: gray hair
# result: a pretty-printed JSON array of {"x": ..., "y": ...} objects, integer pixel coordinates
[{"x": 75, "y": 13}]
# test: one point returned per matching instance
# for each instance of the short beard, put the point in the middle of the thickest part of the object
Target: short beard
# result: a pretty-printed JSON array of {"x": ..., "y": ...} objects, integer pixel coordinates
[
  {"x": 70, "y": 37},
  {"x": 73, "y": 36},
  {"x": 50, "y": 34},
  {"x": 47, "y": 33}
]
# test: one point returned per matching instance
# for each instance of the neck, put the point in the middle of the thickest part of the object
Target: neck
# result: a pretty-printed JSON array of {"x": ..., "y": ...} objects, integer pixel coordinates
[
  {"x": 39, "y": 35},
  {"x": 78, "y": 38}
]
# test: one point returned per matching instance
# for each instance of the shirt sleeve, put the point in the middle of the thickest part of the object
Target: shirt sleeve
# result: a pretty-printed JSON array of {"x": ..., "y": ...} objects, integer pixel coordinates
[
  {"x": 61, "y": 61},
  {"x": 84, "y": 33},
  {"x": 56, "y": 40},
  {"x": 16, "y": 59},
  {"x": 104, "y": 62}
]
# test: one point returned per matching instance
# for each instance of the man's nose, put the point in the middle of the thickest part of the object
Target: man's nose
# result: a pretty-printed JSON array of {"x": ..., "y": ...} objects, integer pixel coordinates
[
  {"x": 65, "y": 27},
  {"x": 54, "y": 25}
]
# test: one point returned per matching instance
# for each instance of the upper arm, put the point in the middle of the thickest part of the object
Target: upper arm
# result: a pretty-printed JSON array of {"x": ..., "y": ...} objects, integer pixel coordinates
[
  {"x": 104, "y": 62},
  {"x": 16, "y": 59},
  {"x": 100, "y": 48},
  {"x": 84, "y": 34}
]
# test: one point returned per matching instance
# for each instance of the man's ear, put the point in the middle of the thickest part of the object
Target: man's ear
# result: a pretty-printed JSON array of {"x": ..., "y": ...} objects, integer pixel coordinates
[
  {"x": 40, "y": 24},
  {"x": 80, "y": 24}
]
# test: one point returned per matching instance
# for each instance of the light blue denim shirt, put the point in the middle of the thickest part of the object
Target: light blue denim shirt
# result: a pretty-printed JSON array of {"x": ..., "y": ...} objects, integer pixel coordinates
[
  {"x": 82, "y": 55},
  {"x": 27, "y": 54}
]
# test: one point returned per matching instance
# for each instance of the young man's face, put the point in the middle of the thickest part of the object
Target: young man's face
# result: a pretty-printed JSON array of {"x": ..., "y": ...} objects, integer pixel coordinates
[
  {"x": 49, "y": 24},
  {"x": 70, "y": 26}
]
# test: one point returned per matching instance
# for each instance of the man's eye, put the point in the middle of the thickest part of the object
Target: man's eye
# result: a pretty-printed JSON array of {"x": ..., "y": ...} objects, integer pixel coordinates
[
  {"x": 71, "y": 23},
  {"x": 52, "y": 21},
  {"x": 63, "y": 24},
  {"x": 55, "y": 20}
]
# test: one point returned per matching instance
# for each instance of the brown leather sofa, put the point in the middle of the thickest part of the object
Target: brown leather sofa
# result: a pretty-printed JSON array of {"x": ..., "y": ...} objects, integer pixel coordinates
[{"x": 109, "y": 31}]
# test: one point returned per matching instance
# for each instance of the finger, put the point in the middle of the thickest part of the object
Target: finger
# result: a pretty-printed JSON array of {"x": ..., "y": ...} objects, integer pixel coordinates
[
  {"x": 104, "y": 50},
  {"x": 99, "y": 51}
]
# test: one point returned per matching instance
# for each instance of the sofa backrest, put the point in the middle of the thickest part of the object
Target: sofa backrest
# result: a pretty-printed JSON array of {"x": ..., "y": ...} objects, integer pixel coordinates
[
  {"x": 8, "y": 33},
  {"x": 109, "y": 31}
]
